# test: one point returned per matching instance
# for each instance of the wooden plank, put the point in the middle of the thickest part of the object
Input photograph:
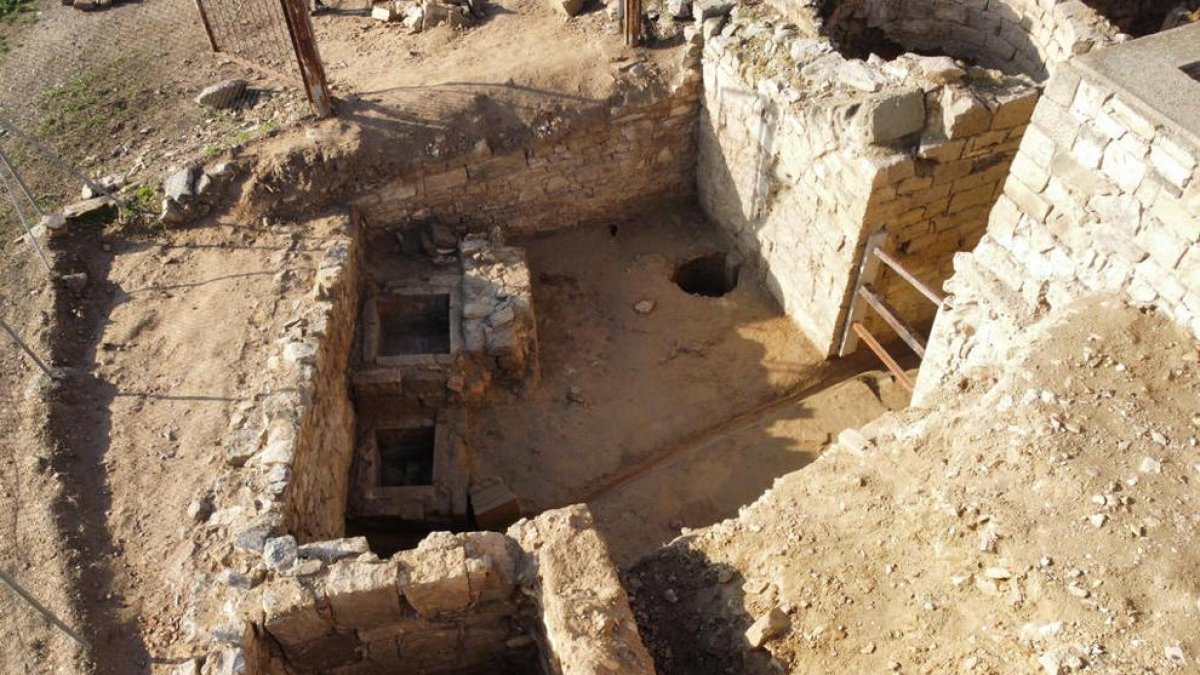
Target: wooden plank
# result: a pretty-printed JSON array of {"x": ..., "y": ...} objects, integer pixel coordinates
[
  {"x": 868, "y": 269},
  {"x": 883, "y": 355},
  {"x": 933, "y": 296},
  {"x": 884, "y": 309}
]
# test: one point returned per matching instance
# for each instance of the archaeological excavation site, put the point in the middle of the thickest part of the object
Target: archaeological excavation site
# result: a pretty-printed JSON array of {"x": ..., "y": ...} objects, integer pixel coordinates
[{"x": 584, "y": 337}]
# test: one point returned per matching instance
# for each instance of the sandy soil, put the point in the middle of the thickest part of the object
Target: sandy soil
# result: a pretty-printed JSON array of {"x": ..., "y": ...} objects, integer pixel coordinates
[
  {"x": 1043, "y": 524},
  {"x": 622, "y": 391},
  {"x": 164, "y": 341},
  {"x": 710, "y": 480},
  {"x": 34, "y": 554}
]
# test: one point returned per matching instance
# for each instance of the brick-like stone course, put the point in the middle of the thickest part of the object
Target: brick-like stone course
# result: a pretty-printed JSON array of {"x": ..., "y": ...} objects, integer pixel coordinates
[
  {"x": 635, "y": 154},
  {"x": 1016, "y": 36},
  {"x": 794, "y": 169},
  {"x": 1104, "y": 197}
]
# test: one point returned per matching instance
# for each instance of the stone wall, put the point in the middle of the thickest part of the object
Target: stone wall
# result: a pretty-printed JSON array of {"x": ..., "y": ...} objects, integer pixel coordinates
[
  {"x": 805, "y": 154},
  {"x": 543, "y": 599},
  {"x": 607, "y": 168},
  {"x": 1016, "y": 36},
  {"x": 325, "y": 438},
  {"x": 1104, "y": 197}
]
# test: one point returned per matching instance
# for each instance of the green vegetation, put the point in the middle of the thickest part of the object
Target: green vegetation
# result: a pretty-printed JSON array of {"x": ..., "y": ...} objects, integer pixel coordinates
[
  {"x": 72, "y": 105},
  {"x": 138, "y": 212},
  {"x": 13, "y": 12},
  {"x": 10, "y": 10}
]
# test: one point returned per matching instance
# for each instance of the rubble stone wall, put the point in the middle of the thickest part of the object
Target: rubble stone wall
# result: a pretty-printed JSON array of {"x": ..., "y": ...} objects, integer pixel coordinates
[
  {"x": 1104, "y": 197},
  {"x": 1016, "y": 36},
  {"x": 325, "y": 437},
  {"x": 801, "y": 172},
  {"x": 544, "y": 598},
  {"x": 601, "y": 171}
]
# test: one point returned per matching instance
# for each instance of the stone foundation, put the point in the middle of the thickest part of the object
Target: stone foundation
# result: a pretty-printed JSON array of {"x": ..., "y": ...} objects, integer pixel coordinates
[
  {"x": 611, "y": 166},
  {"x": 804, "y": 154},
  {"x": 1104, "y": 196},
  {"x": 545, "y": 598}
]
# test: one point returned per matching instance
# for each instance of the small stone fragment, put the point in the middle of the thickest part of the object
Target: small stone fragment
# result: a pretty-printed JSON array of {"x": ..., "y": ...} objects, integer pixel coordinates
[
  {"x": 645, "y": 306},
  {"x": 766, "y": 627}
]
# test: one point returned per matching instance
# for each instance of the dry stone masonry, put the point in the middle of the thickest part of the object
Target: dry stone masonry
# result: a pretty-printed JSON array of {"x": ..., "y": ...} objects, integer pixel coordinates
[
  {"x": 805, "y": 153},
  {"x": 1104, "y": 196},
  {"x": 1015, "y": 36},
  {"x": 634, "y": 153},
  {"x": 544, "y": 598}
]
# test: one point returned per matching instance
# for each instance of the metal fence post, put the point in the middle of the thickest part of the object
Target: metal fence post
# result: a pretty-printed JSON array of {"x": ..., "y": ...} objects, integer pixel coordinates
[
  {"x": 312, "y": 71},
  {"x": 212, "y": 41}
]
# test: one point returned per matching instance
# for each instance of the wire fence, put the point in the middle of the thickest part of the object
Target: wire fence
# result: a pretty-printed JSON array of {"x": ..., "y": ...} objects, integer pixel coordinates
[
  {"x": 254, "y": 30},
  {"x": 128, "y": 90}
]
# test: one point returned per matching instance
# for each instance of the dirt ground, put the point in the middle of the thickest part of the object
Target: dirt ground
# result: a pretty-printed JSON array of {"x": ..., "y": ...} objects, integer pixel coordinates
[
  {"x": 621, "y": 391},
  {"x": 1045, "y": 524},
  {"x": 34, "y": 554},
  {"x": 162, "y": 343}
]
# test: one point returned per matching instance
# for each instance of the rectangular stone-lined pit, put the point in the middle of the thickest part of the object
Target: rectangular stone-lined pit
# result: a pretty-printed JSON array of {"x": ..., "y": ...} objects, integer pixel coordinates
[
  {"x": 418, "y": 325},
  {"x": 405, "y": 456},
  {"x": 414, "y": 324}
]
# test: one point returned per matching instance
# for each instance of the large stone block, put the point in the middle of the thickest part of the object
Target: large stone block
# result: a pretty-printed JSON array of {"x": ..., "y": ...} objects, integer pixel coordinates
[
  {"x": 433, "y": 576},
  {"x": 963, "y": 114},
  {"x": 363, "y": 594},
  {"x": 290, "y": 612},
  {"x": 893, "y": 115}
]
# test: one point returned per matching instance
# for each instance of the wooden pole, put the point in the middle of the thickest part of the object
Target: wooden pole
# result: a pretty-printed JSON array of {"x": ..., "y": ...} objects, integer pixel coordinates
[
  {"x": 883, "y": 355},
  {"x": 212, "y": 40},
  {"x": 312, "y": 71},
  {"x": 632, "y": 22},
  {"x": 868, "y": 269}
]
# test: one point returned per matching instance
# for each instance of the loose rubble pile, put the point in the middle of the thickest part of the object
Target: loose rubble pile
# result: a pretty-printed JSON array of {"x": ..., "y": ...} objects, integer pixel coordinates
[
  {"x": 191, "y": 192},
  {"x": 421, "y": 15},
  {"x": 1044, "y": 522}
]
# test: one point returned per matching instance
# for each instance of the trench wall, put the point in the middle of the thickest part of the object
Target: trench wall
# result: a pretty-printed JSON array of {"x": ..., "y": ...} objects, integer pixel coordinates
[
  {"x": 1104, "y": 197},
  {"x": 801, "y": 182},
  {"x": 327, "y": 425},
  {"x": 605, "y": 169}
]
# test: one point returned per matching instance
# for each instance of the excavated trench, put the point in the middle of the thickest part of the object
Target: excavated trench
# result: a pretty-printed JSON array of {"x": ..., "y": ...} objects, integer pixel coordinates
[{"x": 521, "y": 341}]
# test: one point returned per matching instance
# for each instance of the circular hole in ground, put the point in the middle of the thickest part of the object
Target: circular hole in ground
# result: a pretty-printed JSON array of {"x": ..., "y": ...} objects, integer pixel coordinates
[{"x": 711, "y": 275}]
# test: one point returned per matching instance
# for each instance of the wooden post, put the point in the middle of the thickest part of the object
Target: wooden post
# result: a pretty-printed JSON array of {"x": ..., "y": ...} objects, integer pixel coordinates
[
  {"x": 633, "y": 22},
  {"x": 312, "y": 71},
  {"x": 212, "y": 41},
  {"x": 867, "y": 270}
]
